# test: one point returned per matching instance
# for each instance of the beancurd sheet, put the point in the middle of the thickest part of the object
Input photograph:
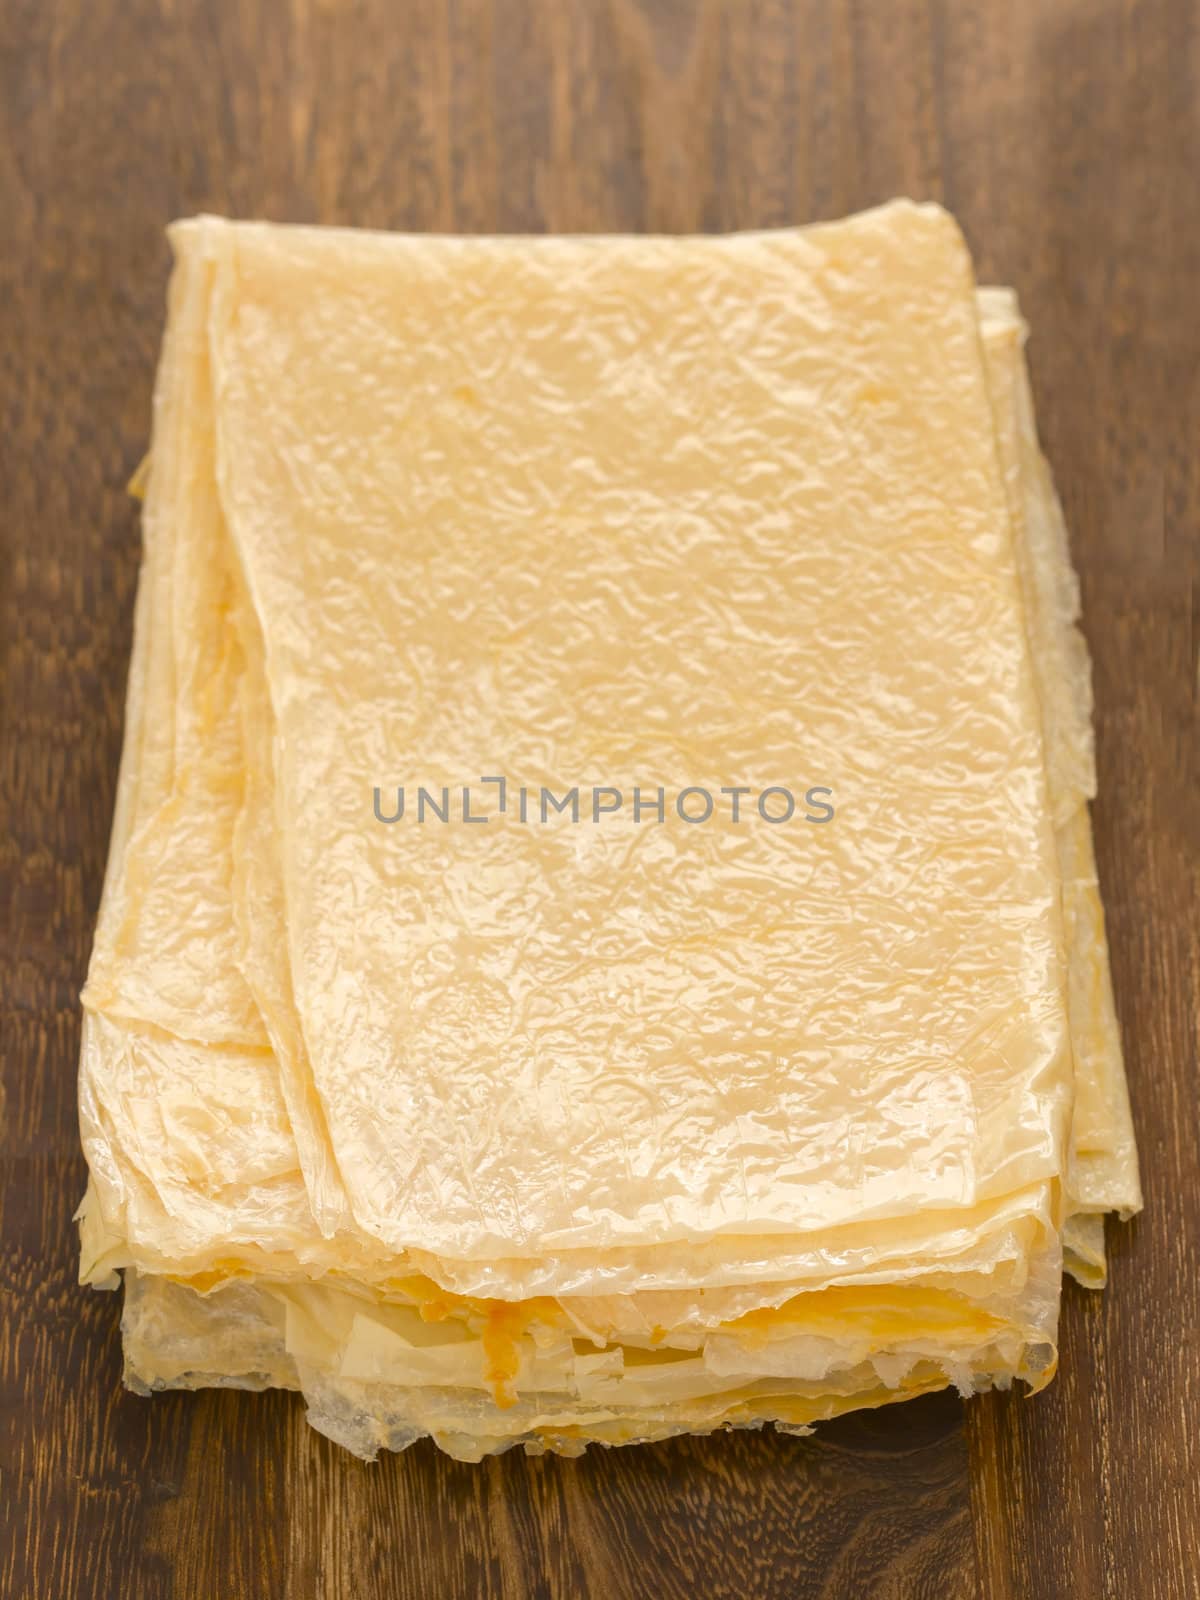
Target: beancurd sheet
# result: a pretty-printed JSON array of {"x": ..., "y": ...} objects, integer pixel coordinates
[{"x": 560, "y": 1131}]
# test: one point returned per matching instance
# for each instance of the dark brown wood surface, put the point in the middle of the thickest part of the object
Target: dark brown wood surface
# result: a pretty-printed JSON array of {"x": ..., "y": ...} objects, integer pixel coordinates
[{"x": 1064, "y": 134}]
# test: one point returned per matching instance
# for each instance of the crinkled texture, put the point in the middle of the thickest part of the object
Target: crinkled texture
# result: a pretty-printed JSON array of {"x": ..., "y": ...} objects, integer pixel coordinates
[{"x": 668, "y": 511}]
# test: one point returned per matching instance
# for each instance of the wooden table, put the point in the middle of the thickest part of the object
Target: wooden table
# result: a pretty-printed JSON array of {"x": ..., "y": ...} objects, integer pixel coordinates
[{"x": 1065, "y": 138}]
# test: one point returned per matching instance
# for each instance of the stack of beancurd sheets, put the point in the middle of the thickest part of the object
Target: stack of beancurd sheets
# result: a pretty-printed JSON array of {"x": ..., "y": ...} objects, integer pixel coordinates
[{"x": 607, "y": 1129}]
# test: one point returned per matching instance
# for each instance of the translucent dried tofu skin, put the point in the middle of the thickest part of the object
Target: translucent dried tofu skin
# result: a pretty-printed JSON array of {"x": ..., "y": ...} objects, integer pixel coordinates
[
  {"x": 505, "y": 552},
  {"x": 1102, "y": 1170},
  {"x": 381, "y": 1368},
  {"x": 180, "y": 1110},
  {"x": 207, "y": 1128}
]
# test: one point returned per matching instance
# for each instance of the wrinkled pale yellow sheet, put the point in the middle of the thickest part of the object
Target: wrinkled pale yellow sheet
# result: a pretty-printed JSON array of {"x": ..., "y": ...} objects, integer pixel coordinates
[
  {"x": 1102, "y": 1172},
  {"x": 219, "y": 1144}
]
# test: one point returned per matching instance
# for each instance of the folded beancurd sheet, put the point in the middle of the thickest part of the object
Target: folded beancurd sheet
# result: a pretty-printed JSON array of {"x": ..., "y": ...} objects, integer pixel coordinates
[{"x": 548, "y": 1130}]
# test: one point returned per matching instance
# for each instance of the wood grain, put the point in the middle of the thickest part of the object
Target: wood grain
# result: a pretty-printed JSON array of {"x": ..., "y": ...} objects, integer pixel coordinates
[{"x": 1065, "y": 137}]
